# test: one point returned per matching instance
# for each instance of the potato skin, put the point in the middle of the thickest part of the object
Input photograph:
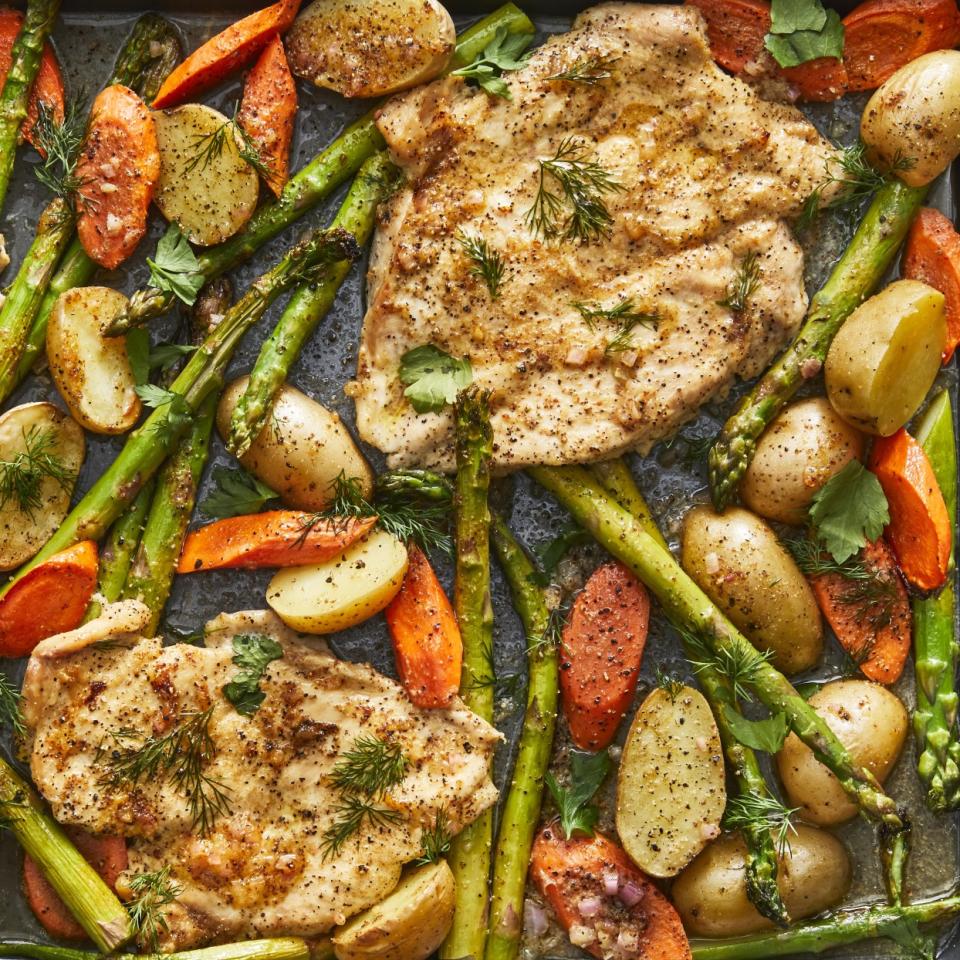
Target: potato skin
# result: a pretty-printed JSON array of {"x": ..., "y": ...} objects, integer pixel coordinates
[
  {"x": 302, "y": 449},
  {"x": 711, "y": 894},
  {"x": 736, "y": 559},
  {"x": 798, "y": 453},
  {"x": 869, "y": 721}
]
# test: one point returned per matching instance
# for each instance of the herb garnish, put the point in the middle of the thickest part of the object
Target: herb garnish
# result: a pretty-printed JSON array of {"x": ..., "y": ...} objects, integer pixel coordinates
[
  {"x": 209, "y": 147},
  {"x": 435, "y": 841},
  {"x": 802, "y": 30},
  {"x": 738, "y": 664},
  {"x": 767, "y": 735},
  {"x": 488, "y": 264},
  {"x": 21, "y": 477},
  {"x": 849, "y": 510},
  {"x": 176, "y": 269},
  {"x": 624, "y": 314},
  {"x": 743, "y": 285},
  {"x": 504, "y": 53},
  {"x": 433, "y": 378},
  {"x": 252, "y": 653},
  {"x": 151, "y": 892},
  {"x": 144, "y": 359},
  {"x": 748, "y": 811},
  {"x": 550, "y": 553},
  {"x": 587, "y": 773},
  {"x": 237, "y": 493},
  {"x": 59, "y": 143},
  {"x": 10, "y": 701},
  {"x": 178, "y": 412},
  {"x": 590, "y": 70}
]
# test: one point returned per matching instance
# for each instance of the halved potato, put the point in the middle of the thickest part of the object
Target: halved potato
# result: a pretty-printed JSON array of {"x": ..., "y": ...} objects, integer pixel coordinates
[
  {"x": 670, "y": 791},
  {"x": 369, "y": 48},
  {"x": 44, "y": 447},
  {"x": 91, "y": 371},
  {"x": 205, "y": 185},
  {"x": 331, "y": 596},
  {"x": 409, "y": 925}
]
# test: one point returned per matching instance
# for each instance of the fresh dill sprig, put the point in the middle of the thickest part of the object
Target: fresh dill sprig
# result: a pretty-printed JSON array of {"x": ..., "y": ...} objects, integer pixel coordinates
[
  {"x": 209, "y": 147},
  {"x": 578, "y": 212},
  {"x": 10, "y": 714},
  {"x": 21, "y": 477},
  {"x": 739, "y": 665},
  {"x": 349, "y": 818},
  {"x": 370, "y": 766},
  {"x": 624, "y": 312},
  {"x": 623, "y": 339},
  {"x": 743, "y": 285},
  {"x": 488, "y": 264},
  {"x": 8, "y": 808},
  {"x": 59, "y": 143},
  {"x": 435, "y": 841},
  {"x": 590, "y": 70},
  {"x": 751, "y": 812},
  {"x": 151, "y": 892},
  {"x": 180, "y": 755},
  {"x": 669, "y": 682}
]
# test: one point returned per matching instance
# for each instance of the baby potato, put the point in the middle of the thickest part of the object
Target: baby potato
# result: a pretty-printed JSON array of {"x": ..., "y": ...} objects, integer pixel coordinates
[
  {"x": 91, "y": 371},
  {"x": 339, "y": 593},
  {"x": 798, "y": 453},
  {"x": 869, "y": 721},
  {"x": 711, "y": 894},
  {"x": 50, "y": 446},
  {"x": 302, "y": 449},
  {"x": 409, "y": 925},
  {"x": 736, "y": 559},
  {"x": 883, "y": 361}
]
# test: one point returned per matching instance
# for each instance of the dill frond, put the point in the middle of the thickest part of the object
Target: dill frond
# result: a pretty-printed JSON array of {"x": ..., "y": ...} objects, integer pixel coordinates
[
  {"x": 10, "y": 700},
  {"x": 209, "y": 147},
  {"x": 488, "y": 264},
  {"x": 349, "y": 818},
  {"x": 151, "y": 892},
  {"x": 739, "y": 665},
  {"x": 21, "y": 477},
  {"x": 743, "y": 285},
  {"x": 371, "y": 766},
  {"x": 590, "y": 70},
  {"x": 435, "y": 842},
  {"x": 751, "y": 812},
  {"x": 59, "y": 144}
]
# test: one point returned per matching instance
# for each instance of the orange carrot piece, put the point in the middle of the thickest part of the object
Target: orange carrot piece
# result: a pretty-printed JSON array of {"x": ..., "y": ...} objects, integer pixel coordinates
[
  {"x": 873, "y": 624},
  {"x": 601, "y": 651},
  {"x": 277, "y": 538},
  {"x": 736, "y": 29},
  {"x": 919, "y": 530},
  {"x": 107, "y": 855},
  {"x": 426, "y": 636},
  {"x": 569, "y": 872},
  {"x": 52, "y": 598},
  {"x": 932, "y": 255},
  {"x": 119, "y": 166},
  {"x": 230, "y": 50},
  {"x": 820, "y": 80},
  {"x": 268, "y": 110}
]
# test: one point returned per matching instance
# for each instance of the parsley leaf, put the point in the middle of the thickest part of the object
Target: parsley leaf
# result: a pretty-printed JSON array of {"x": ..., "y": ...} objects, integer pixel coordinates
[
  {"x": 178, "y": 414},
  {"x": 550, "y": 554},
  {"x": 505, "y": 52},
  {"x": 802, "y": 30},
  {"x": 767, "y": 735},
  {"x": 433, "y": 378},
  {"x": 252, "y": 653},
  {"x": 176, "y": 268},
  {"x": 237, "y": 493},
  {"x": 849, "y": 510},
  {"x": 587, "y": 772},
  {"x": 144, "y": 360}
]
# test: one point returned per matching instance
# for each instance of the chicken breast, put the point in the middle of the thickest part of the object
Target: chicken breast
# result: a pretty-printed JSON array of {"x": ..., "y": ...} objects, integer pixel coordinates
[
  {"x": 700, "y": 174},
  {"x": 265, "y": 866}
]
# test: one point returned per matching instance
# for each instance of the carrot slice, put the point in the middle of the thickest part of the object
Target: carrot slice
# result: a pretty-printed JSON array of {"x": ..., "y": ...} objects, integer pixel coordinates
[
  {"x": 118, "y": 167},
  {"x": 822, "y": 80},
  {"x": 107, "y": 855},
  {"x": 268, "y": 109},
  {"x": 52, "y": 598},
  {"x": 277, "y": 538},
  {"x": 600, "y": 652},
  {"x": 735, "y": 29},
  {"x": 871, "y": 619},
  {"x": 570, "y": 873},
  {"x": 932, "y": 254},
  {"x": 919, "y": 530},
  {"x": 230, "y": 50},
  {"x": 426, "y": 636}
]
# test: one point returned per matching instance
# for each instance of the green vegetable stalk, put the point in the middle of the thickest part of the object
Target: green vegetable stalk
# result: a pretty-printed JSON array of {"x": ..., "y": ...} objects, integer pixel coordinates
[
  {"x": 470, "y": 850},
  {"x": 281, "y": 948},
  {"x": 853, "y": 279},
  {"x": 935, "y": 645},
  {"x": 521, "y": 810}
]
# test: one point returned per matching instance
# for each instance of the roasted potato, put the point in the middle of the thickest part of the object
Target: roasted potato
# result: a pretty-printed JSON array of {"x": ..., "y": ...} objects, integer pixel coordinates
[
  {"x": 91, "y": 371},
  {"x": 409, "y": 925},
  {"x": 736, "y": 559},
  {"x": 711, "y": 894},
  {"x": 869, "y": 721},
  {"x": 883, "y": 361},
  {"x": 331, "y": 596},
  {"x": 205, "y": 184},
  {"x": 798, "y": 453},
  {"x": 369, "y": 48},
  {"x": 670, "y": 789},
  {"x": 301, "y": 451},
  {"x": 41, "y": 452},
  {"x": 911, "y": 124}
]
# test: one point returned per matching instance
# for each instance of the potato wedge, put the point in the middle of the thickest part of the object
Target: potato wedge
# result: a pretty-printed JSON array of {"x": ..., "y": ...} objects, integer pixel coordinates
[
  {"x": 884, "y": 359},
  {"x": 41, "y": 452},
  {"x": 409, "y": 925},
  {"x": 369, "y": 48},
  {"x": 205, "y": 185},
  {"x": 670, "y": 791},
  {"x": 331, "y": 596},
  {"x": 302, "y": 449},
  {"x": 91, "y": 371}
]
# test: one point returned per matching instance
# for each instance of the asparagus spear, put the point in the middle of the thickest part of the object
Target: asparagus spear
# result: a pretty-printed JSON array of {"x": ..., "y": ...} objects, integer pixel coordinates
[
  {"x": 89, "y": 899},
  {"x": 316, "y": 181},
  {"x": 24, "y": 64},
  {"x": 856, "y": 274},
  {"x": 935, "y": 646},
  {"x": 281, "y": 948},
  {"x": 762, "y": 859},
  {"x": 521, "y": 810},
  {"x": 150, "y": 444},
  {"x": 470, "y": 850},
  {"x": 307, "y": 307}
]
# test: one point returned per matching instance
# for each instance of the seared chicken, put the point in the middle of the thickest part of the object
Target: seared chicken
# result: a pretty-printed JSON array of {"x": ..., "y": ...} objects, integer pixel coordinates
[
  {"x": 702, "y": 175},
  {"x": 263, "y": 868}
]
